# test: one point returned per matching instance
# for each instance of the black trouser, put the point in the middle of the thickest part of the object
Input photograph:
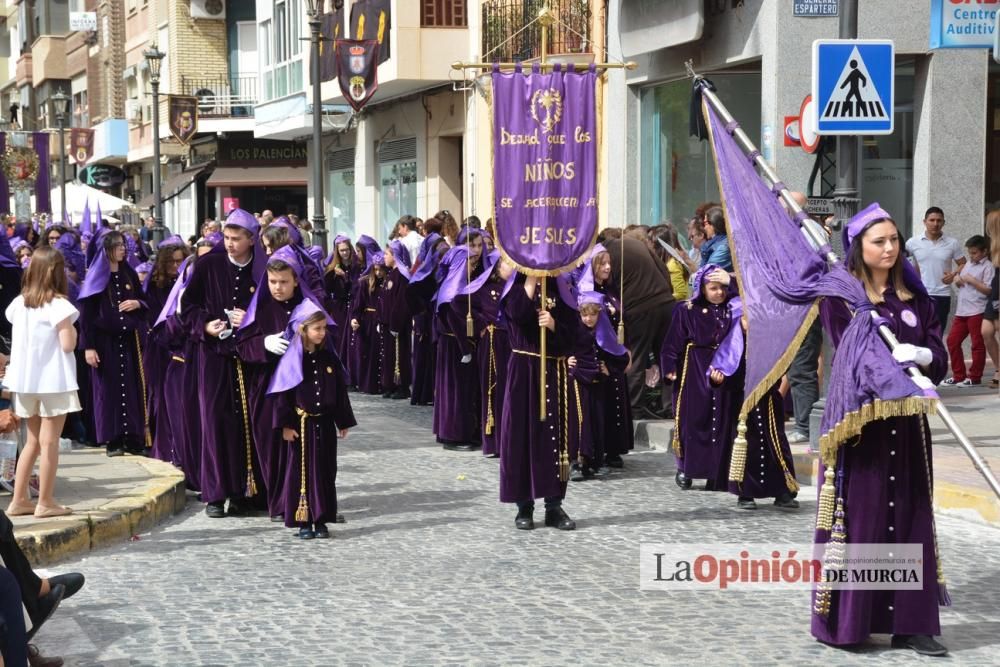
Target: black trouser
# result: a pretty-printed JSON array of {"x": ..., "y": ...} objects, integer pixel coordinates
[
  {"x": 15, "y": 561},
  {"x": 942, "y": 304},
  {"x": 803, "y": 376},
  {"x": 550, "y": 504},
  {"x": 13, "y": 638},
  {"x": 644, "y": 335}
]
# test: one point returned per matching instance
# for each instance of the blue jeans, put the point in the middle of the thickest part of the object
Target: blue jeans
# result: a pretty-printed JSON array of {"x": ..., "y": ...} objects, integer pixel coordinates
[{"x": 14, "y": 638}]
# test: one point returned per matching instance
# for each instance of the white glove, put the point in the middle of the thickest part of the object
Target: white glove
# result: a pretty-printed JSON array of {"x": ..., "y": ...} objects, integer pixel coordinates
[
  {"x": 226, "y": 334},
  {"x": 275, "y": 344},
  {"x": 923, "y": 382},
  {"x": 395, "y": 334},
  {"x": 466, "y": 358},
  {"x": 906, "y": 353}
]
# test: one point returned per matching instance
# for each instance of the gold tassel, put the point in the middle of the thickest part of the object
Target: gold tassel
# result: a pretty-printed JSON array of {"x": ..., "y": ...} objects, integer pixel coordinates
[
  {"x": 563, "y": 411},
  {"x": 738, "y": 461},
  {"x": 142, "y": 381},
  {"x": 827, "y": 496},
  {"x": 833, "y": 560},
  {"x": 251, "y": 489},
  {"x": 302, "y": 511},
  {"x": 621, "y": 331},
  {"x": 491, "y": 382},
  {"x": 470, "y": 327}
]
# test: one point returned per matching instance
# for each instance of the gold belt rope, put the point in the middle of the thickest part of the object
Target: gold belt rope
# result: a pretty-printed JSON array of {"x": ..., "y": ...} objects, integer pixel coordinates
[
  {"x": 491, "y": 382},
  {"x": 396, "y": 375},
  {"x": 251, "y": 489},
  {"x": 302, "y": 511},
  {"x": 562, "y": 410},
  {"x": 142, "y": 381},
  {"x": 676, "y": 441},
  {"x": 790, "y": 482}
]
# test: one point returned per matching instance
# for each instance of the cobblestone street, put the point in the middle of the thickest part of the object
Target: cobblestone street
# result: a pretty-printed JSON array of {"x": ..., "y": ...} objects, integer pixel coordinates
[{"x": 429, "y": 569}]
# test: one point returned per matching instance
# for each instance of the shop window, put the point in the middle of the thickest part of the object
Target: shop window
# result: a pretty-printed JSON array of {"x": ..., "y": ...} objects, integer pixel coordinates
[
  {"x": 340, "y": 170},
  {"x": 677, "y": 172},
  {"x": 397, "y": 182}
]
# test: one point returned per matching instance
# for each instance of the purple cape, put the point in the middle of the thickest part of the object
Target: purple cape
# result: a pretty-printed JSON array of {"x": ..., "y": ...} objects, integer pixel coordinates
[
  {"x": 427, "y": 260},
  {"x": 402, "y": 256},
  {"x": 288, "y": 374},
  {"x": 263, "y": 293}
]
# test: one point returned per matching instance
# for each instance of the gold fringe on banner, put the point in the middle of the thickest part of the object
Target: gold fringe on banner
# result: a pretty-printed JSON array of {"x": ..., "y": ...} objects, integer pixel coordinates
[{"x": 853, "y": 422}]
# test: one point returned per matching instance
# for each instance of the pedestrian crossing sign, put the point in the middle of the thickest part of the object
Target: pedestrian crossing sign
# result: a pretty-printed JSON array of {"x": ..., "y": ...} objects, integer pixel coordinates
[{"x": 853, "y": 84}]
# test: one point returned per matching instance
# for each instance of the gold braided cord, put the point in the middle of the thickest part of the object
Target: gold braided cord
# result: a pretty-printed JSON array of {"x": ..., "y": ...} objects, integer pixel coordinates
[
  {"x": 834, "y": 553},
  {"x": 142, "y": 382},
  {"x": 396, "y": 375},
  {"x": 579, "y": 408},
  {"x": 924, "y": 448},
  {"x": 251, "y": 488},
  {"x": 302, "y": 511},
  {"x": 563, "y": 413},
  {"x": 491, "y": 381},
  {"x": 790, "y": 482},
  {"x": 738, "y": 458},
  {"x": 852, "y": 423},
  {"x": 676, "y": 441}
]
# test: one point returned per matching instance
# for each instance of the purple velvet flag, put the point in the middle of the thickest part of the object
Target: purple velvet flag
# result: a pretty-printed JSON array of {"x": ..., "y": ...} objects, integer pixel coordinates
[
  {"x": 545, "y": 173},
  {"x": 86, "y": 225},
  {"x": 40, "y": 143},
  {"x": 780, "y": 278}
]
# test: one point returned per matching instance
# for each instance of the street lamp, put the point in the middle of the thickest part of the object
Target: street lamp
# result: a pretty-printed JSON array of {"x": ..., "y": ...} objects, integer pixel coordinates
[
  {"x": 60, "y": 102},
  {"x": 154, "y": 58},
  {"x": 314, "y": 9}
]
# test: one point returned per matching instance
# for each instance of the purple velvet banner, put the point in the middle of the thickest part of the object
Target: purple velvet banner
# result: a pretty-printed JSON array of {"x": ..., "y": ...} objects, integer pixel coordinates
[
  {"x": 4, "y": 187},
  {"x": 43, "y": 204},
  {"x": 545, "y": 167}
]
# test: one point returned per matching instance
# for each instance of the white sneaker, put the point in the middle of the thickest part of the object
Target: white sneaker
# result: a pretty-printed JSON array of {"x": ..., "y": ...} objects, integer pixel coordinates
[
  {"x": 950, "y": 382},
  {"x": 797, "y": 436},
  {"x": 967, "y": 383}
]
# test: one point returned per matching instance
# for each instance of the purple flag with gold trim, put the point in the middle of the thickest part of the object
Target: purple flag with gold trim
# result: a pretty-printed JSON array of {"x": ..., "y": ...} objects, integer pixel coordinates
[{"x": 545, "y": 167}]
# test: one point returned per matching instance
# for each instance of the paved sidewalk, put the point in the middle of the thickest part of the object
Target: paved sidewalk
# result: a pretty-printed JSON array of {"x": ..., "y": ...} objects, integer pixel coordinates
[
  {"x": 958, "y": 487},
  {"x": 112, "y": 498}
]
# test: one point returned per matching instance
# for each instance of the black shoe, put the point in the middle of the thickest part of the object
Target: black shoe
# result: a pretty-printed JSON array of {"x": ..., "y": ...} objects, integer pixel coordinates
[
  {"x": 73, "y": 581},
  {"x": 216, "y": 510},
  {"x": 278, "y": 518},
  {"x": 305, "y": 533},
  {"x": 922, "y": 644},
  {"x": 47, "y": 604},
  {"x": 746, "y": 504},
  {"x": 400, "y": 394},
  {"x": 557, "y": 518},
  {"x": 322, "y": 532},
  {"x": 460, "y": 446},
  {"x": 576, "y": 473},
  {"x": 135, "y": 450},
  {"x": 116, "y": 451},
  {"x": 239, "y": 507},
  {"x": 786, "y": 502},
  {"x": 339, "y": 519},
  {"x": 525, "y": 519},
  {"x": 682, "y": 480},
  {"x": 387, "y": 394},
  {"x": 614, "y": 461}
]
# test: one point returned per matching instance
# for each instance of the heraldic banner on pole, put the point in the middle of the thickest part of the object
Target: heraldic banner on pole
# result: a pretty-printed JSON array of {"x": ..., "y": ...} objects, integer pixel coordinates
[{"x": 545, "y": 167}]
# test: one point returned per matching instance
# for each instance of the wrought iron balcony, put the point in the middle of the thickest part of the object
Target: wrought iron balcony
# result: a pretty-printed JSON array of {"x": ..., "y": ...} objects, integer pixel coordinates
[
  {"x": 223, "y": 97},
  {"x": 506, "y": 39}
]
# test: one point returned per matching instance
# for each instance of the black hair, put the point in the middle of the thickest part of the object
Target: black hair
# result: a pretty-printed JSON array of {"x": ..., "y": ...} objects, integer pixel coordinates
[
  {"x": 279, "y": 265},
  {"x": 979, "y": 242},
  {"x": 933, "y": 209},
  {"x": 717, "y": 218}
]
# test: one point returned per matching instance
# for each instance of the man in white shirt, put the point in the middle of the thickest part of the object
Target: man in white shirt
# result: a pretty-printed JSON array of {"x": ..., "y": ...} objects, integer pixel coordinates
[
  {"x": 407, "y": 231},
  {"x": 938, "y": 258}
]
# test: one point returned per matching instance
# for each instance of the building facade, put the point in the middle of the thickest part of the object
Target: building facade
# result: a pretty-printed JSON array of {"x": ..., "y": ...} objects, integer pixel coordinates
[{"x": 758, "y": 54}]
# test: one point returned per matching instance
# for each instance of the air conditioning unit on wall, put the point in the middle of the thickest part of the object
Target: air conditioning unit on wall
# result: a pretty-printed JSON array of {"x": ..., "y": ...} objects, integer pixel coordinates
[{"x": 208, "y": 9}]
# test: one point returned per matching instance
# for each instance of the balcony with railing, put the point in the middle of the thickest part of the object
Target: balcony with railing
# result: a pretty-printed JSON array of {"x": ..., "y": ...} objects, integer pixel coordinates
[
  {"x": 222, "y": 97},
  {"x": 508, "y": 34}
]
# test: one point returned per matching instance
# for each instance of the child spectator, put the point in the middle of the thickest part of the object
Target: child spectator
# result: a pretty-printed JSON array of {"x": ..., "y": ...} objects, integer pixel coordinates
[
  {"x": 42, "y": 375},
  {"x": 974, "y": 282}
]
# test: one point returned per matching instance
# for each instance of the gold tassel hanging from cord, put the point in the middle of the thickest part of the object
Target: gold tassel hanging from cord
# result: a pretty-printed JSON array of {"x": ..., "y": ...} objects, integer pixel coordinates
[
  {"x": 738, "y": 462},
  {"x": 827, "y": 499},
  {"x": 302, "y": 511},
  {"x": 142, "y": 380},
  {"x": 491, "y": 383},
  {"x": 251, "y": 488},
  {"x": 833, "y": 559},
  {"x": 621, "y": 332}
]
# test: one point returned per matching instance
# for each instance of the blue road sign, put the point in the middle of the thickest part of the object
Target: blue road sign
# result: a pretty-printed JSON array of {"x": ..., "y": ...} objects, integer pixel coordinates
[{"x": 853, "y": 84}]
